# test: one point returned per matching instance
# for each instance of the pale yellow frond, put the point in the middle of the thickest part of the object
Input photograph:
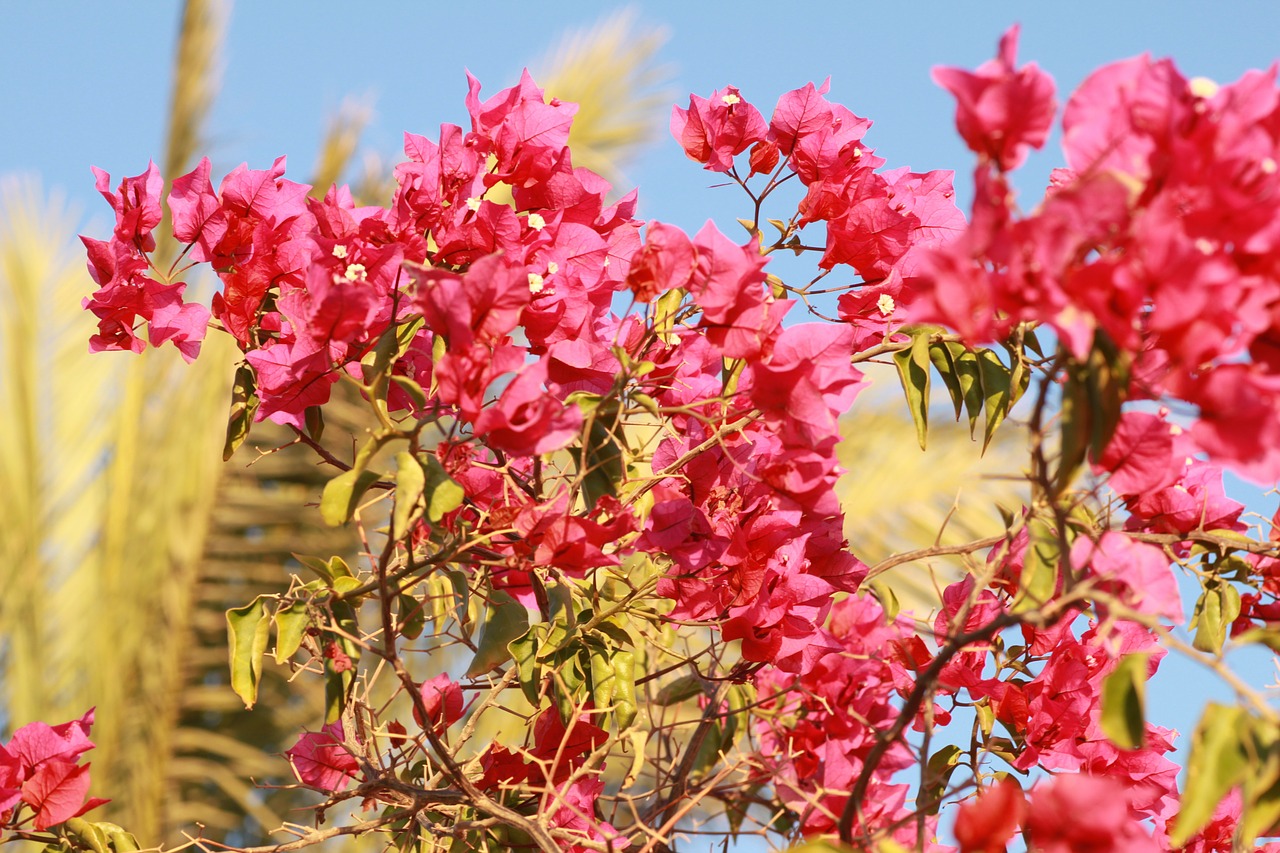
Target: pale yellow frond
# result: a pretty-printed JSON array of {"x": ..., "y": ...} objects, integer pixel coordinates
[
  {"x": 195, "y": 80},
  {"x": 611, "y": 72},
  {"x": 196, "y": 77},
  {"x": 341, "y": 137},
  {"x": 898, "y": 498}
]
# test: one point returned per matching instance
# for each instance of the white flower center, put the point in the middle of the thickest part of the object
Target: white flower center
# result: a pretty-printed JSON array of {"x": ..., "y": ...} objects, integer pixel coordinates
[{"x": 1202, "y": 87}]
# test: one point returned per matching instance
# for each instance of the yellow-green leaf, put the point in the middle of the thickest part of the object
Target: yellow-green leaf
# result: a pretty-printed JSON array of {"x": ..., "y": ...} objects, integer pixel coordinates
[
  {"x": 1124, "y": 701},
  {"x": 291, "y": 627},
  {"x": 913, "y": 371},
  {"x": 244, "y": 404},
  {"x": 937, "y": 775},
  {"x": 342, "y": 495},
  {"x": 247, "y": 631},
  {"x": 524, "y": 651},
  {"x": 996, "y": 392},
  {"x": 410, "y": 482},
  {"x": 624, "y": 690},
  {"x": 505, "y": 620},
  {"x": 443, "y": 495},
  {"x": 1217, "y": 764},
  {"x": 1039, "y": 578}
]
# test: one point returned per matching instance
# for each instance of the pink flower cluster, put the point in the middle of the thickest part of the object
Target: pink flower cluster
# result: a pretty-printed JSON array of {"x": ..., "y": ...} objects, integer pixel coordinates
[
  {"x": 42, "y": 782},
  {"x": 1160, "y": 236}
]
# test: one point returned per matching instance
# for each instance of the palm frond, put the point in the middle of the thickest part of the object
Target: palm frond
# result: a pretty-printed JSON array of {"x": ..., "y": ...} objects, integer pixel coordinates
[
  {"x": 341, "y": 137},
  {"x": 898, "y": 498},
  {"x": 611, "y": 72},
  {"x": 196, "y": 76}
]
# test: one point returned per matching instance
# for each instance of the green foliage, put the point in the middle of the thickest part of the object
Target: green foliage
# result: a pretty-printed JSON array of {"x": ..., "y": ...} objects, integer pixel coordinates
[{"x": 1124, "y": 694}]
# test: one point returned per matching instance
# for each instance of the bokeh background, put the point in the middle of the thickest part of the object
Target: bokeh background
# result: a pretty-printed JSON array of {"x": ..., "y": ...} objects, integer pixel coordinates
[{"x": 125, "y": 536}]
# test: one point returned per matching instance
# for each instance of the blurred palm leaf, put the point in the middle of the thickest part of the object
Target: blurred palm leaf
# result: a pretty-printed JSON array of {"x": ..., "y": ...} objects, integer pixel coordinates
[
  {"x": 610, "y": 71},
  {"x": 898, "y": 498}
]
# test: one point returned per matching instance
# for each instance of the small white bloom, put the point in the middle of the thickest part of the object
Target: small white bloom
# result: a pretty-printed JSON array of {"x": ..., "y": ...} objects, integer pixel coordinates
[
  {"x": 473, "y": 203},
  {"x": 339, "y": 251},
  {"x": 1202, "y": 87},
  {"x": 355, "y": 272},
  {"x": 886, "y": 304},
  {"x": 731, "y": 99},
  {"x": 536, "y": 222},
  {"x": 535, "y": 283},
  {"x": 553, "y": 268}
]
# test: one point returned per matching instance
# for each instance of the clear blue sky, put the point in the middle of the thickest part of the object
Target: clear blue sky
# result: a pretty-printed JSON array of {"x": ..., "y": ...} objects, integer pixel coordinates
[{"x": 86, "y": 83}]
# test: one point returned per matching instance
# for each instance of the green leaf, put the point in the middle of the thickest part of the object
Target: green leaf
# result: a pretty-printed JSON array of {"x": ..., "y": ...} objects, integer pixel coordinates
[
  {"x": 1268, "y": 637},
  {"x": 624, "y": 691},
  {"x": 410, "y": 482},
  {"x": 1124, "y": 700},
  {"x": 412, "y": 389},
  {"x": 1261, "y": 789},
  {"x": 442, "y": 493},
  {"x": 314, "y": 419},
  {"x": 1217, "y": 764},
  {"x": 247, "y": 633},
  {"x": 342, "y": 495},
  {"x": 568, "y": 679},
  {"x": 944, "y": 362},
  {"x": 1039, "y": 578},
  {"x": 1217, "y": 608},
  {"x": 938, "y": 775},
  {"x": 89, "y": 835},
  {"x": 603, "y": 679},
  {"x": 291, "y": 626},
  {"x": 338, "y": 684},
  {"x": 913, "y": 371},
  {"x": 887, "y": 597},
  {"x": 505, "y": 620},
  {"x": 524, "y": 651},
  {"x": 684, "y": 687},
  {"x": 969, "y": 373},
  {"x": 997, "y": 392},
  {"x": 413, "y": 616},
  {"x": 244, "y": 404},
  {"x": 601, "y": 459}
]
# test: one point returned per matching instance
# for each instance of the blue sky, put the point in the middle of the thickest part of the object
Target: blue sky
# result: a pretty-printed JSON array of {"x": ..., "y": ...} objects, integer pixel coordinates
[{"x": 87, "y": 83}]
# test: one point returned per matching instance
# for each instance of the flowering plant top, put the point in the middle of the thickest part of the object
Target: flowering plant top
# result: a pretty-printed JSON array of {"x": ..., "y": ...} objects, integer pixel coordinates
[{"x": 628, "y": 519}]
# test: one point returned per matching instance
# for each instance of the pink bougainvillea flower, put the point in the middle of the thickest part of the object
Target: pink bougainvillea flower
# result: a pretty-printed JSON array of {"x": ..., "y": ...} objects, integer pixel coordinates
[
  {"x": 1001, "y": 110},
  {"x": 1139, "y": 572},
  {"x": 985, "y": 824},
  {"x": 527, "y": 419},
  {"x": 442, "y": 699},
  {"x": 1054, "y": 825},
  {"x": 715, "y": 130},
  {"x": 136, "y": 203},
  {"x": 666, "y": 261},
  {"x": 322, "y": 760}
]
